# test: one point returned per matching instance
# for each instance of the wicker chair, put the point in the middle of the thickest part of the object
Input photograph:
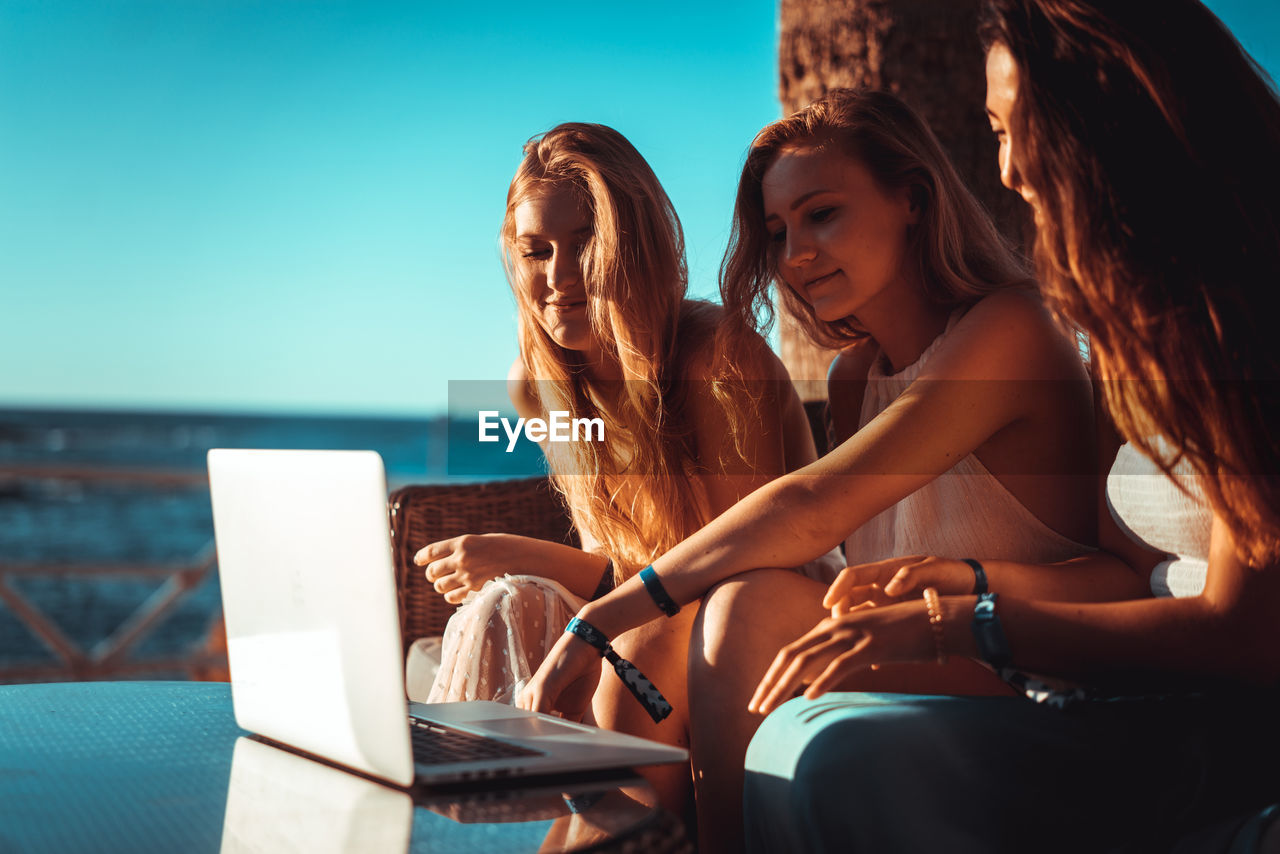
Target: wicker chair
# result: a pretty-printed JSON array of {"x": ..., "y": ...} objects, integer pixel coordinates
[{"x": 425, "y": 514}]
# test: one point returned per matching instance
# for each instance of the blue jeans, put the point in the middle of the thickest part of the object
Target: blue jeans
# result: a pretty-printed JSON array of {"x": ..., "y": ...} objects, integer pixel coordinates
[{"x": 892, "y": 772}]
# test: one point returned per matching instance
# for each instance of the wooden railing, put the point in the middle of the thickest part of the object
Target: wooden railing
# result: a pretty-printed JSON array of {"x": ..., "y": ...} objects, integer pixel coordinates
[{"x": 110, "y": 657}]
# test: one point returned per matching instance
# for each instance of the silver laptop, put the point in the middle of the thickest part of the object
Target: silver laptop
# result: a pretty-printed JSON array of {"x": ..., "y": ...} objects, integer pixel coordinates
[{"x": 313, "y": 635}]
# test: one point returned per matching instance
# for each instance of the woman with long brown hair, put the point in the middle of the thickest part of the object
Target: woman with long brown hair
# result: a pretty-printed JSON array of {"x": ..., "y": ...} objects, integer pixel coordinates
[
  {"x": 1145, "y": 140},
  {"x": 594, "y": 253},
  {"x": 967, "y": 420}
]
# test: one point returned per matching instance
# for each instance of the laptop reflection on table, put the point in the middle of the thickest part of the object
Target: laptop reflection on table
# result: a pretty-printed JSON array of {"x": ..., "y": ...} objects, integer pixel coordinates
[{"x": 280, "y": 801}]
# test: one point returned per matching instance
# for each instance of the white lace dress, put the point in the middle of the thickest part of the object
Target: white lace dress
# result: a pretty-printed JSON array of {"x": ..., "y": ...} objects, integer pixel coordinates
[{"x": 495, "y": 641}]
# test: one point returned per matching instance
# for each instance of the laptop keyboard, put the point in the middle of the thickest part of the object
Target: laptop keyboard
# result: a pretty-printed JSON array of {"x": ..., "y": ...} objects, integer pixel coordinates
[{"x": 434, "y": 744}]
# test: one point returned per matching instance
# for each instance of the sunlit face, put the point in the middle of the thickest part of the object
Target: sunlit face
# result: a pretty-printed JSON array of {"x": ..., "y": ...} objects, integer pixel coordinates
[
  {"x": 551, "y": 229},
  {"x": 840, "y": 240},
  {"x": 1002, "y": 92}
]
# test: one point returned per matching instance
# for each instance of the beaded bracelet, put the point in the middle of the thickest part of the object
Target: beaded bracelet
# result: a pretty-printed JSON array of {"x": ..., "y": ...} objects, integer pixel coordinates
[
  {"x": 657, "y": 592},
  {"x": 637, "y": 683},
  {"x": 933, "y": 605}
]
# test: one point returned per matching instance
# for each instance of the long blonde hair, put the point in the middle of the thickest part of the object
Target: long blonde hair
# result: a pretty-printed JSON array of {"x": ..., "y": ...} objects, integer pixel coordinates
[
  {"x": 959, "y": 254},
  {"x": 633, "y": 493},
  {"x": 1159, "y": 233}
]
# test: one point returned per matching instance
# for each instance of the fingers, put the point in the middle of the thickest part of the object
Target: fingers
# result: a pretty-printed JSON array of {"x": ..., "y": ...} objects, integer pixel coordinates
[
  {"x": 446, "y": 579},
  {"x": 840, "y": 668},
  {"x": 799, "y": 661},
  {"x": 457, "y": 595},
  {"x": 881, "y": 582},
  {"x": 907, "y": 580},
  {"x": 434, "y": 551},
  {"x": 843, "y": 607},
  {"x": 792, "y": 669},
  {"x": 862, "y": 582},
  {"x": 849, "y": 578},
  {"x": 776, "y": 667},
  {"x": 868, "y": 596},
  {"x": 949, "y": 576}
]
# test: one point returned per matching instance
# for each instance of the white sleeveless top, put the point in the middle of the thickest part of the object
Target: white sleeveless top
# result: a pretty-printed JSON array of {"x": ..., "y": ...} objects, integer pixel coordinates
[
  {"x": 1150, "y": 508},
  {"x": 965, "y": 512}
]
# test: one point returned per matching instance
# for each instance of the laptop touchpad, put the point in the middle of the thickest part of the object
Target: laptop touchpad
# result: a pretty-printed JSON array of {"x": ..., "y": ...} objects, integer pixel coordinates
[{"x": 530, "y": 727}]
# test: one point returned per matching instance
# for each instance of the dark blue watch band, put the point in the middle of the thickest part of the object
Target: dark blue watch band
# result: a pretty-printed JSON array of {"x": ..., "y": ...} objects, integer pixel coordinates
[
  {"x": 657, "y": 592},
  {"x": 993, "y": 646},
  {"x": 979, "y": 575}
]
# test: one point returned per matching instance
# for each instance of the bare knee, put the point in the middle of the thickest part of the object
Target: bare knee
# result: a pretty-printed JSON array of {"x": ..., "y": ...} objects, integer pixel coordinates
[
  {"x": 742, "y": 597},
  {"x": 752, "y": 609}
]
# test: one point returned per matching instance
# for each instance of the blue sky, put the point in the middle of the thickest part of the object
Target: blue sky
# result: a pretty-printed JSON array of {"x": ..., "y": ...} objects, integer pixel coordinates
[{"x": 292, "y": 206}]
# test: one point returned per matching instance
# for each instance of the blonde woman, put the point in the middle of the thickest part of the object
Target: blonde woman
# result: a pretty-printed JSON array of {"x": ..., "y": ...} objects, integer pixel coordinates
[{"x": 595, "y": 256}]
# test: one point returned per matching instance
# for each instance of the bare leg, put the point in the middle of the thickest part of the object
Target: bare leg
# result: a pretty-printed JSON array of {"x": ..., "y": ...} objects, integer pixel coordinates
[
  {"x": 741, "y": 626},
  {"x": 660, "y": 649}
]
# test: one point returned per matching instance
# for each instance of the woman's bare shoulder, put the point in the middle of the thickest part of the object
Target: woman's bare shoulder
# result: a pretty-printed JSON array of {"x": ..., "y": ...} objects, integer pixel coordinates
[
  {"x": 1010, "y": 335},
  {"x": 747, "y": 355}
]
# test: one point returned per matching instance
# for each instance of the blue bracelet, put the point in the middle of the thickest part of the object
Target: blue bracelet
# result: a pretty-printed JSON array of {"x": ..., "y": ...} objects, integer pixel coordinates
[
  {"x": 637, "y": 683},
  {"x": 979, "y": 575},
  {"x": 993, "y": 646},
  {"x": 657, "y": 592}
]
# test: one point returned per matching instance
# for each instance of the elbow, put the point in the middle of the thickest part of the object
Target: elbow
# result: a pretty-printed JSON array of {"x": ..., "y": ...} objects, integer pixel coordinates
[{"x": 812, "y": 508}]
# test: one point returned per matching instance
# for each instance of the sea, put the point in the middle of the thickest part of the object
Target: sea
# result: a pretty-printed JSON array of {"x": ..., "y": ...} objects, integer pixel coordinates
[{"x": 96, "y": 490}]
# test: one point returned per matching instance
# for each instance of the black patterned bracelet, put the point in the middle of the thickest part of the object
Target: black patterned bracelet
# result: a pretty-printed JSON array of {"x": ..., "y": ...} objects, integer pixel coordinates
[
  {"x": 657, "y": 592},
  {"x": 637, "y": 683}
]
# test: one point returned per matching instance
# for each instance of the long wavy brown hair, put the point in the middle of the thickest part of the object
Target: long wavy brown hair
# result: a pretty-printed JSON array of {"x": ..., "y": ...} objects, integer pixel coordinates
[
  {"x": 1152, "y": 141},
  {"x": 633, "y": 493},
  {"x": 960, "y": 255}
]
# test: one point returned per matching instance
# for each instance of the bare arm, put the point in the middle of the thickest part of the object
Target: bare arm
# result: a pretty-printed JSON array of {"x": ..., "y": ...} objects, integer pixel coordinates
[
  {"x": 1226, "y": 633},
  {"x": 1229, "y": 631},
  {"x": 796, "y": 518}
]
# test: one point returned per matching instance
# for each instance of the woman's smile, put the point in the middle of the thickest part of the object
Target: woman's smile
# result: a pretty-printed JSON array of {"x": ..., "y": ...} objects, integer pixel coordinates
[{"x": 818, "y": 281}]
